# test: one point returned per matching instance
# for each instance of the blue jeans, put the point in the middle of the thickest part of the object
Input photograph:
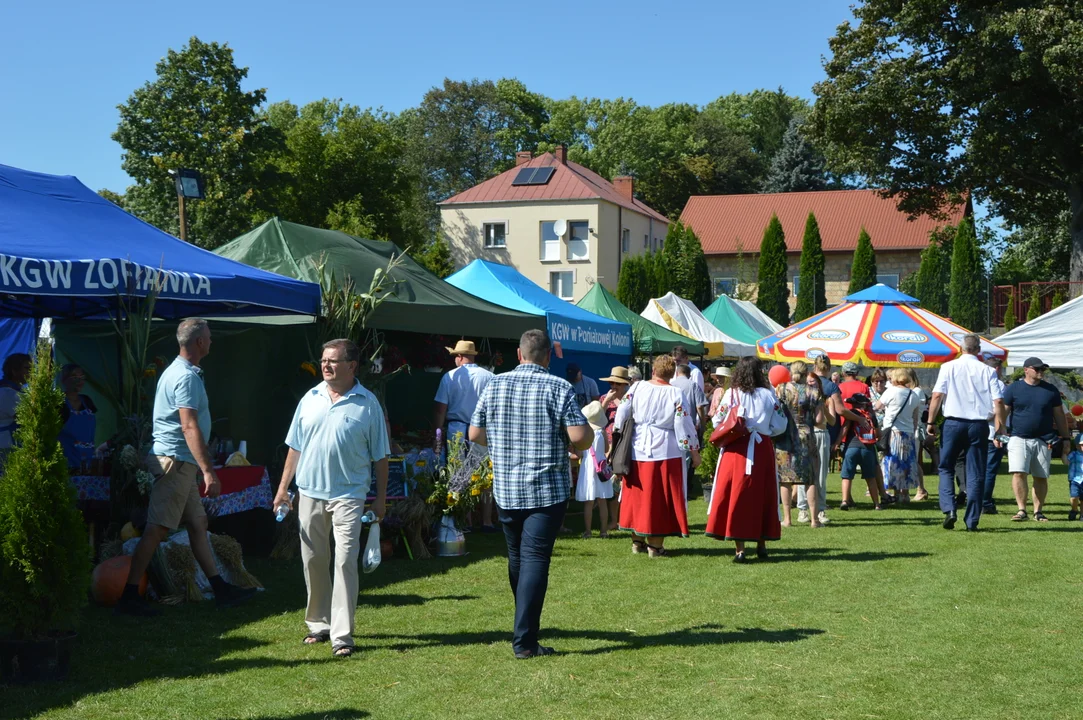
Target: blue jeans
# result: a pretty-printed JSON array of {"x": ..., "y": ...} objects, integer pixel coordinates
[
  {"x": 530, "y": 535},
  {"x": 970, "y": 438},
  {"x": 992, "y": 463}
]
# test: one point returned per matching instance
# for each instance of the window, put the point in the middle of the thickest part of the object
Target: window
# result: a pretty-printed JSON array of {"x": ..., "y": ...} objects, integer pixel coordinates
[
  {"x": 578, "y": 240},
  {"x": 892, "y": 281},
  {"x": 796, "y": 284},
  {"x": 495, "y": 234},
  {"x": 561, "y": 284},
  {"x": 550, "y": 243},
  {"x": 625, "y": 240},
  {"x": 646, "y": 241},
  {"x": 725, "y": 286}
]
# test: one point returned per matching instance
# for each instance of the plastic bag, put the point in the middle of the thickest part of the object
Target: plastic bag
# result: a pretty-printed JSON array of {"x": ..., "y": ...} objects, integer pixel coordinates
[{"x": 371, "y": 556}]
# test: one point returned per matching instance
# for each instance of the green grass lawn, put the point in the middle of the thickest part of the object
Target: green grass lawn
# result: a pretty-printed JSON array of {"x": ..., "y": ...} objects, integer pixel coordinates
[{"x": 879, "y": 615}]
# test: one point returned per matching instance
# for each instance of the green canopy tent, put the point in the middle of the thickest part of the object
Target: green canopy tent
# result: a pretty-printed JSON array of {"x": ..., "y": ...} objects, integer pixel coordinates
[
  {"x": 423, "y": 303},
  {"x": 736, "y": 321},
  {"x": 647, "y": 337}
]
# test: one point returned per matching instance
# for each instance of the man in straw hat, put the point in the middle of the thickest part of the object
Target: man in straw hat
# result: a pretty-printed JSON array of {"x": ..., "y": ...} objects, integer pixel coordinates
[{"x": 455, "y": 401}]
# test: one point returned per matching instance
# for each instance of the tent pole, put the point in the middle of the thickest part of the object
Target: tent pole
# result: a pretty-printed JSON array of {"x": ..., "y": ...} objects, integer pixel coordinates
[{"x": 183, "y": 218}]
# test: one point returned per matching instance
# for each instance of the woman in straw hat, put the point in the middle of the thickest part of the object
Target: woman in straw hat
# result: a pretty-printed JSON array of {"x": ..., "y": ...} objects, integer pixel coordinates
[
  {"x": 722, "y": 377},
  {"x": 595, "y": 482},
  {"x": 619, "y": 381},
  {"x": 653, "y": 502}
]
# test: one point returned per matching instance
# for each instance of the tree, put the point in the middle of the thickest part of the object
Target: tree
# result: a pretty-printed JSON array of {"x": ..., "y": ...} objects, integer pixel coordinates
[
  {"x": 195, "y": 115},
  {"x": 993, "y": 106},
  {"x": 634, "y": 287},
  {"x": 811, "y": 291},
  {"x": 863, "y": 273},
  {"x": 435, "y": 257},
  {"x": 966, "y": 306},
  {"x": 797, "y": 166},
  {"x": 1058, "y": 298},
  {"x": 762, "y": 116},
  {"x": 909, "y": 285},
  {"x": 697, "y": 286},
  {"x": 1034, "y": 307},
  {"x": 1009, "y": 313},
  {"x": 661, "y": 275},
  {"x": 773, "y": 293},
  {"x": 113, "y": 197},
  {"x": 1037, "y": 252}
]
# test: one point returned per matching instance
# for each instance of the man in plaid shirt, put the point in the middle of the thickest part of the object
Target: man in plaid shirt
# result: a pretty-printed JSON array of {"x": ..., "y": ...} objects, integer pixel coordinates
[{"x": 527, "y": 417}]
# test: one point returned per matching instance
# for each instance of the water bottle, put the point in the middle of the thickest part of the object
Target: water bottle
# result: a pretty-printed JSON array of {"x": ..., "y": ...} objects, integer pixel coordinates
[
  {"x": 369, "y": 517},
  {"x": 1002, "y": 439},
  {"x": 284, "y": 508}
]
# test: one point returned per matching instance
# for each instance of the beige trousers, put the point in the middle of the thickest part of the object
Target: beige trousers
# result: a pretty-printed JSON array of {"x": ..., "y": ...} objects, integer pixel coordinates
[{"x": 331, "y": 607}]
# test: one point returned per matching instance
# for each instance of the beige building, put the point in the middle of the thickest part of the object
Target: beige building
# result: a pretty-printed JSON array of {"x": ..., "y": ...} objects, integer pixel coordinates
[
  {"x": 561, "y": 225},
  {"x": 730, "y": 228}
]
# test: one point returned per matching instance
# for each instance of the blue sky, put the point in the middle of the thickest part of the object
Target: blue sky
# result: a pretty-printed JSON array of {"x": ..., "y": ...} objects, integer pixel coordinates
[{"x": 67, "y": 65}]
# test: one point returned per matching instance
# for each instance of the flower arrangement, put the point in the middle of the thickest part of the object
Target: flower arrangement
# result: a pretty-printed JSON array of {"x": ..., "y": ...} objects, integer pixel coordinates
[{"x": 455, "y": 488}]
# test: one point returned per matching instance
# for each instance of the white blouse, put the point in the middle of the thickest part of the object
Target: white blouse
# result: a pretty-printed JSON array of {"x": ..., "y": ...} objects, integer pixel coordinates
[
  {"x": 663, "y": 429},
  {"x": 760, "y": 409}
]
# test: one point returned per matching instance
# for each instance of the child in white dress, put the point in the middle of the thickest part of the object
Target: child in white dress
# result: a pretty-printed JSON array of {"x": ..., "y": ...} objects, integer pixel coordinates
[{"x": 595, "y": 485}]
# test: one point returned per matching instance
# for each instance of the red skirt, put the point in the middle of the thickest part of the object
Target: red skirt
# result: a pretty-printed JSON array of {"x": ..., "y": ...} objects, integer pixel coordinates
[
  {"x": 745, "y": 507},
  {"x": 652, "y": 501}
]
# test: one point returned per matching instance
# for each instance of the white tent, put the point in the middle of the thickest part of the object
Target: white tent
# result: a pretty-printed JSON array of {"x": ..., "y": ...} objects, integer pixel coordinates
[
  {"x": 1056, "y": 338},
  {"x": 681, "y": 316},
  {"x": 757, "y": 319}
]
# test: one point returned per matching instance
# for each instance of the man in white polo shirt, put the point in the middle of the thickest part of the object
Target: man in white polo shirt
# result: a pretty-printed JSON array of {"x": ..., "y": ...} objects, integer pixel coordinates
[
  {"x": 968, "y": 391},
  {"x": 336, "y": 439}
]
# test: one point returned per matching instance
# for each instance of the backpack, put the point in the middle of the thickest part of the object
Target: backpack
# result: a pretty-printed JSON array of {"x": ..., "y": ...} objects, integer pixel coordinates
[{"x": 855, "y": 395}]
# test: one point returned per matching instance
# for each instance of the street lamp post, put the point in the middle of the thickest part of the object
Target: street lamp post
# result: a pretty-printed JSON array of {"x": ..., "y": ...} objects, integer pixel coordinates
[{"x": 189, "y": 184}]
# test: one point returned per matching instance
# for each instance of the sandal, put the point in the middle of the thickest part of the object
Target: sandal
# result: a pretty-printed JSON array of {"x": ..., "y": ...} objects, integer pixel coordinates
[
  {"x": 1040, "y": 516},
  {"x": 317, "y": 637},
  {"x": 656, "y": 552},
  {"x": 1021, "y": 515},
  {"x": 342, "y": 651},
  {"x": 638, "y": 546},
  {"x": 845, "y": 506}
]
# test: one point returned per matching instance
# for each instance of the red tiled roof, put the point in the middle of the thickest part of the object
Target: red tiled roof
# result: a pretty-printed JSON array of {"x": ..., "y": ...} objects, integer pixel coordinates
[
  {"x": 721, "y": 221},
  {"x": 569, "y": 182}
]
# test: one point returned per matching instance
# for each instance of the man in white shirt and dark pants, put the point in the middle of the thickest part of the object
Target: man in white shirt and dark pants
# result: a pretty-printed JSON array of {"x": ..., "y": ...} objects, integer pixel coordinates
[{"x": 968, "y": 391}]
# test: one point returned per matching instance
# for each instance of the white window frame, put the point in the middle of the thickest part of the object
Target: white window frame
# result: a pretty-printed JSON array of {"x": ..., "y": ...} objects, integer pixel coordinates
[
  {"x": 485, "y": 234},
  {"x": 548, "y": 257},
  {"x": 585, "y": 224},
  {"x": 887, "y": 275},
  {"x": 717, "y": 280},
  {"x": 625, "y": 240},
  {"x": 553, "y": 273}
]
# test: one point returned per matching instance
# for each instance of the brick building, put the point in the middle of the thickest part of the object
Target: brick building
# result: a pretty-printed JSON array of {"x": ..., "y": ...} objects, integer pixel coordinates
[{"x": 730, "y": 228}]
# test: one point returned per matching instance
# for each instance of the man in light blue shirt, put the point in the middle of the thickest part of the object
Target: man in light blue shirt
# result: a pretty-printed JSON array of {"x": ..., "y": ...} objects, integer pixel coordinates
[
  {"x": 336, "y": 440},
  {"x": 182, "y": 426}
]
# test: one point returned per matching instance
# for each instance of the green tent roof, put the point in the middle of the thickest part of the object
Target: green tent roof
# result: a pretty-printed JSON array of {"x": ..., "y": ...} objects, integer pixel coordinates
[
  {"x": 735, "y": 321},
  {"x": 648, "y": 337},
  {"x": 422, "y": 302}
]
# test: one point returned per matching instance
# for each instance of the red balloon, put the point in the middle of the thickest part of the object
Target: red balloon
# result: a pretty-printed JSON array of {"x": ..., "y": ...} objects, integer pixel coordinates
[
  {"x": 108, "y": 580},
  {"x": 778, "y": 374},
  {"x": 1077, "y": 410}
]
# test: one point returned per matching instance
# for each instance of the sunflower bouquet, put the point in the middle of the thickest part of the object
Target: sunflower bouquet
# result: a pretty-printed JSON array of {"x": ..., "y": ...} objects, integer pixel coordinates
[{"x": 455, "y": 488}]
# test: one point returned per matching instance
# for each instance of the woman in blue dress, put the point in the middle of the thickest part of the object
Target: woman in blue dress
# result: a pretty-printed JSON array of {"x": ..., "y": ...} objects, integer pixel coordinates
[{"x": 77, "y": 435}]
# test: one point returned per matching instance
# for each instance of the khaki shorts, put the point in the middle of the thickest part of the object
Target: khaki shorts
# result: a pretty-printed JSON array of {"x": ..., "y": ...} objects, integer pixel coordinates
[
  {"x": 1030, "y": 456},
  {"x": 174, "y": 499}
]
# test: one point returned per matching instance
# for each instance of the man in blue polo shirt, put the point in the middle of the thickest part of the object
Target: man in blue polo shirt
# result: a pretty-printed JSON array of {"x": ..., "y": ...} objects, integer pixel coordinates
[{"x": 337, "y": 440}]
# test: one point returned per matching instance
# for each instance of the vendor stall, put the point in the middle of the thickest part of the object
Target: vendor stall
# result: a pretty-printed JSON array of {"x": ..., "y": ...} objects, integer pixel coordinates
[
  {"x": 650, "y": 338},
  {"x": 683, "y": 317}
]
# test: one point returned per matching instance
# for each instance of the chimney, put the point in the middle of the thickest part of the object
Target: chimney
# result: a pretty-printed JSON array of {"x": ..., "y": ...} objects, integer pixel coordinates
[
  {"x": 523, "y": 156},
  {"x": 623, "y": 183},
  {"x": 562, "y": 154}
]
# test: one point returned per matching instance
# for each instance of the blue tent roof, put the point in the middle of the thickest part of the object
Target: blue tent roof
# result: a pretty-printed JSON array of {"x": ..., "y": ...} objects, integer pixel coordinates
[
  {"x": 65, "y": 251},
  {"x": 573, "y": 327},
  {"x": 880, "y": 293}
]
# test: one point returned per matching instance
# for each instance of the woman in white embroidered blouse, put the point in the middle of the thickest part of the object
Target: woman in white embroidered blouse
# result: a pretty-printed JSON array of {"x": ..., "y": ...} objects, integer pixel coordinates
[
  {"x": 744, "y": 503},
  {"x": 653, "y": 504}
]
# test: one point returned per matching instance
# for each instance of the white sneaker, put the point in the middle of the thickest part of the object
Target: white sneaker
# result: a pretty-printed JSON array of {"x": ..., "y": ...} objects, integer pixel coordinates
[
  {"x": 822, "y": 517},
  {"x": 802, "y": 516}
]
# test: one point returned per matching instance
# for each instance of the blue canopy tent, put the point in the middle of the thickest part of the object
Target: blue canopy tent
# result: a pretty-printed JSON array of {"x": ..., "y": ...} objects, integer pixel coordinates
[
  {"x": 593, "y": 342},
  {"x": 67, "y": 252}
]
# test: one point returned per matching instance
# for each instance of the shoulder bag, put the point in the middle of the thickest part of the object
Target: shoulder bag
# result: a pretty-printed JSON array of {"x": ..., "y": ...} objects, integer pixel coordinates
[
  {"x": 883, "y": 443},
  {"x": 620, "y": 454},
  {"x": 732, "y": 428}
]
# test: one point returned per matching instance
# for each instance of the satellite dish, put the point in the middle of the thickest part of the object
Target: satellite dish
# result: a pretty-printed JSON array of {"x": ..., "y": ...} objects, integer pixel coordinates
[
  {"x": 590, "y": 280},
  {"x": 560, "y": 227}
]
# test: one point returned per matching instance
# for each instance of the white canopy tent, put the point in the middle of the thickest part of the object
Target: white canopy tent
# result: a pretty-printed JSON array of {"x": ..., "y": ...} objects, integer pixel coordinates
[
  {"x": 1056, "y": 338},
  {"x": 757, "y": 319},
  {"x": 681, "y": 316}
]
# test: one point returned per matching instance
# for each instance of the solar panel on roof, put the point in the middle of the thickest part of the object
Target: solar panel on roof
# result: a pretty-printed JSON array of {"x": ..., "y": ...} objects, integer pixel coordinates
[{"x": 533, "y": 176}]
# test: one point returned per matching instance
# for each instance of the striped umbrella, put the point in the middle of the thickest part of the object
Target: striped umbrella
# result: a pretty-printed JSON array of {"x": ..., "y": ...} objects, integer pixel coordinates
[{"x": 877, "y": 327}]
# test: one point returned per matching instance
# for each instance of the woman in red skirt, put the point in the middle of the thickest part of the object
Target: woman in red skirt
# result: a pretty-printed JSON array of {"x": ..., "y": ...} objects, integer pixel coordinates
[
  {"x": 652, "y": 503},
  {"x": 744, "y": 502}
]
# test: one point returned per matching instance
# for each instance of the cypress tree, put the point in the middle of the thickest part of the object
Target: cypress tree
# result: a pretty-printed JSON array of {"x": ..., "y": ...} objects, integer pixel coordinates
[
  {"x": 863, "y": 274},
  {"x": 662, "y": 279},
  {"x": 698, "y": 287},
  {"x": 929, "y": 286},
  {"x": 965, "y": 303},
  {"x": 1058, "y": 299},
  {"x": 771, "y": 296},
  {"x": 633, "y": 284},
  {"x": 811, "y": 294},
  {"x": 1009, "y": 314},
  {"x": 1035, "y": 306}
]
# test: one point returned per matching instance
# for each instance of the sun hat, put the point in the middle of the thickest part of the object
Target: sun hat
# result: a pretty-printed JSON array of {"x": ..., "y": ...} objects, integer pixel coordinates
[
  {"x": 463, "y": 347},
  {"x": 618, "y": 375},
  {"x": 722, "y": 371},
  {"x": 595, "y": 415}
]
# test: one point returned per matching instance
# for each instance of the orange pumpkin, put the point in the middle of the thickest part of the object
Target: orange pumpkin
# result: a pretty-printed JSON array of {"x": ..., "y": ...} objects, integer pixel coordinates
[{"x": 109, "y": 578}]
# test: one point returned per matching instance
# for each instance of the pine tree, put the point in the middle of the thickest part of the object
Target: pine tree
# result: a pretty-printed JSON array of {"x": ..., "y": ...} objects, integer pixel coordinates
[
  {"x": 772, "y": 295},
  {"x": 661, "y": 275},
  {"x": 863, "y": 274},
  {"x": 797, "y": 166},
  {"x": 965, "y": 299},
  {"x": 698, "y": 286},
  {"x": 929, "y": 285},
  {"x": 1009, "y": 313},
  {"x": 811, "y": 293},
  {"x": 1035, "y": 306},
  {"x": 634, "y": 283},
  {"x": 44, "y": 555}
]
